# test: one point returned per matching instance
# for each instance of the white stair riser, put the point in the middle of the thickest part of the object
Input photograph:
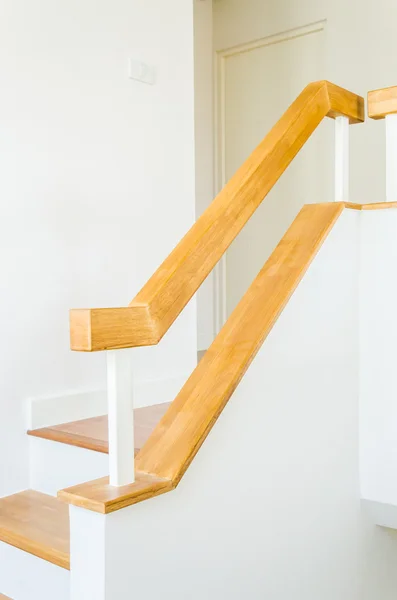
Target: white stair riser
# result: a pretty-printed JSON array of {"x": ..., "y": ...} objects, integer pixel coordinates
[
  {"x": 380, "y": 513},
  {"x": 26, "y": 577},
  {"x": 54, "y": 466}
]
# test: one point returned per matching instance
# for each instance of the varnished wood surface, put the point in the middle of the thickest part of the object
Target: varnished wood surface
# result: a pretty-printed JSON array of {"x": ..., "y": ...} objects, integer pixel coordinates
[
  {"x": 183, "y": 429},
  {"x": 382, "y": 102},
  {"x": 92, "y": 433},
  {"x": 100, "y": 497},
  {"x": 180, "y": 433},
  {"x": 167, "y": 292},
  {"x": 371, "y": 205},
  {"x": 379, "y": 206},
  {"x": 37, "y": 524},
  {"x": 2, "y": 597}
]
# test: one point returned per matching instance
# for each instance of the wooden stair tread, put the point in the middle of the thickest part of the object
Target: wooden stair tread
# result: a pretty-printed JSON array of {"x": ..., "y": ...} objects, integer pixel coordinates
[
  {"x": 2, "y": 597},
  {"x": 38, "y": 524},
  {"x": 101, "y": 497},
  {"x": 92, "y": 434}
]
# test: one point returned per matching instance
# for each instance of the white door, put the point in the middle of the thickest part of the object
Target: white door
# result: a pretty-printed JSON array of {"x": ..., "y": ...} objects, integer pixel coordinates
[{"x": 259, "y": 84}]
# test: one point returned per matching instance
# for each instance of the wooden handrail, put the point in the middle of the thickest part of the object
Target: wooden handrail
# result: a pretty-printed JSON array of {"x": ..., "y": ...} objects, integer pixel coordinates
[
  {"x": 382, "y": 102},
  {"x": 161, "y": 300},
  {"x": 184, "y": 427},
  {"x": 177, "y": 438}
]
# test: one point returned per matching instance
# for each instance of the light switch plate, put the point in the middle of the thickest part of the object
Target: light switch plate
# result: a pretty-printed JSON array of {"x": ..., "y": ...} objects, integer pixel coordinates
[{"x": 142, "y": 72}]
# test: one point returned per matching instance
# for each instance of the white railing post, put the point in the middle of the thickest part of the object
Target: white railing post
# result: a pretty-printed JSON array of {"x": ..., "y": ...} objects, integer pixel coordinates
[
  {"x": 121, "y": 417},
  {"x": 391, "y": 157},
  {"x": 342, "y": 159}
]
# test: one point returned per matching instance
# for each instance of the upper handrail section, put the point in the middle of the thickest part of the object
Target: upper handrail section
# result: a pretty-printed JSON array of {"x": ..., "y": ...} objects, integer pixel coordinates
[
  {"x": 382, "y": 102},
  {"x": 162, "y": 299}
]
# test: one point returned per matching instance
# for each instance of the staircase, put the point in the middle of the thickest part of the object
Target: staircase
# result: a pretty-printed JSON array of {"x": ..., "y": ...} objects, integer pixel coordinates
[
  {"x": 76, "y": 533},
  {"x": 38, "y": 523},
  {"x": 92, "y": 434}
]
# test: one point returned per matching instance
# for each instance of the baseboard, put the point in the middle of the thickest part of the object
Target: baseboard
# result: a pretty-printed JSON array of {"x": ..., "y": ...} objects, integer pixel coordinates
[
  {"x": 44, "y": 412},
  {"x": 381, "y": 513}
]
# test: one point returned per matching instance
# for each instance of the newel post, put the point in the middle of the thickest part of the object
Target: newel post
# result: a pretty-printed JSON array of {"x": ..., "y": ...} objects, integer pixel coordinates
[
  {"x": 391, "y": 157},
  {"x": 121, "y": 417},
  {"x": 342, "y": 159},
  {"x": 382, "y": 104}
]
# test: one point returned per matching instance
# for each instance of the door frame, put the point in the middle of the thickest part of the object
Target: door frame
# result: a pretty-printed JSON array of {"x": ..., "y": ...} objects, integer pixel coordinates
[{"x": 220, "y": 307}]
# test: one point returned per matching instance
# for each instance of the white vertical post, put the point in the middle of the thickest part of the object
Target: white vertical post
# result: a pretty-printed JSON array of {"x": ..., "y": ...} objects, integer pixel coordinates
[
  {"x": 88, "y": 551},
  {"x": 342, "y": 159},
  {"x": 121, "y": 417},
  {"x": 391, "y": 158}
]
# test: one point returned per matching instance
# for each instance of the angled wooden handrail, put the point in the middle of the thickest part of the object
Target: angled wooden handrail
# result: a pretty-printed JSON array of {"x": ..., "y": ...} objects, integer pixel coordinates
[
  {"x": 161, "y": 300},
  {"x": 179, "y": 435},
  {"x": 187, "y": 422}
]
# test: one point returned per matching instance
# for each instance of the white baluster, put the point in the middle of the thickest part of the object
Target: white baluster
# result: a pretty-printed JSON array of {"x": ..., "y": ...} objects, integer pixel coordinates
[
  {"x": 341, "y": 159},
  {"x": 121, "y": 417},
  {"x": 391, "y": 158}
]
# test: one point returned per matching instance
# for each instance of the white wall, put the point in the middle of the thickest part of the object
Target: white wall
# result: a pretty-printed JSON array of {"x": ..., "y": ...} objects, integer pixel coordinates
[
  {"x": 204, "y": 147},
  {"x": 270, "y": 506},
  {"x": 96, "y": 186},
  {"x": 378, "y": 348},
  {"x": 359, "y": 54}
]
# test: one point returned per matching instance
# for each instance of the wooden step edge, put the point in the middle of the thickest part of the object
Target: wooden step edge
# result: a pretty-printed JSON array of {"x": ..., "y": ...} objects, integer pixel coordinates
[
  {"x": 371, "y": 205},
  {"x": 378, "y": 205},
  {"x": 61, "y": 559},
  {"x": 100, "y": 497},
  {"x": 37, "y": 524},
  {"x": 91, "y": 433},
  {"x": 71, "y": 439},
  {"x": 2, "y": 597}
]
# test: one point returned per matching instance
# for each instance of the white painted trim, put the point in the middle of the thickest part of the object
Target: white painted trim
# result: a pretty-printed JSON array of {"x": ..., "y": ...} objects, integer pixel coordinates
[
  {"x": 384, "y": 515},
  {"x": 219, "y": 153},
  {"x": 220, "y": 308},
  {"x": 275, "y": 38},
  {"x": 53, "y": 410},
  {"x": 87, "y": 554},
  {"x": 391, "y": 157},
  {"x": 120, "y": 417},
  {"x": 342, "y": 159}
]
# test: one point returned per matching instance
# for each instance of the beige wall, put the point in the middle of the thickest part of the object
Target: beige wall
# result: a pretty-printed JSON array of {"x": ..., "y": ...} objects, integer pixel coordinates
[
  {"x": 204, "y": 145},
  {"x": 360, "y": 52}
]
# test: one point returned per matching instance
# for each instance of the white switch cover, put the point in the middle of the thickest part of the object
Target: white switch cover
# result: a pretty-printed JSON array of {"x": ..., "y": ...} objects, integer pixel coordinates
[{"x": 142, "y": 72}]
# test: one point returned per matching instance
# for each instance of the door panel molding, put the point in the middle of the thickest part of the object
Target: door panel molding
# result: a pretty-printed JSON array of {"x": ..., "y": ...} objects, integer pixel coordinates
[{"x": 220, "y": 308}]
